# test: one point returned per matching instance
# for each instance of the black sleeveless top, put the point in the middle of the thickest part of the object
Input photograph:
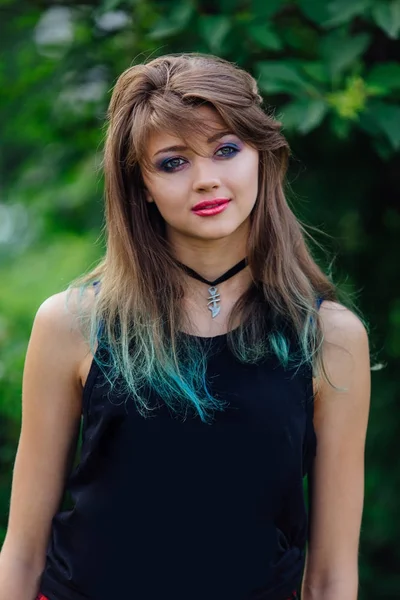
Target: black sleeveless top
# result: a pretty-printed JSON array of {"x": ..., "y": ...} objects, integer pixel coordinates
[{"x": 170, "y": 508}]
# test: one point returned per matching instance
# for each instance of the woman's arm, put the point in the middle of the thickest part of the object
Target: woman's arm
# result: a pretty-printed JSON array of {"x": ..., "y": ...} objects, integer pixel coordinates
[
  {"x": 51, "y": 408},
  {"x": 337, "y": 482}
]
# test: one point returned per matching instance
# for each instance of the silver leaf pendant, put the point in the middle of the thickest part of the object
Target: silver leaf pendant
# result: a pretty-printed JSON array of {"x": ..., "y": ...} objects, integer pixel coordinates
[{"x": 213, "y": 301}]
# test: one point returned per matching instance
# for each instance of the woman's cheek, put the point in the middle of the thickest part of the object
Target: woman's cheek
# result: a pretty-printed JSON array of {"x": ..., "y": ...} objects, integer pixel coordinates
[{"x": 172, "y": 206}]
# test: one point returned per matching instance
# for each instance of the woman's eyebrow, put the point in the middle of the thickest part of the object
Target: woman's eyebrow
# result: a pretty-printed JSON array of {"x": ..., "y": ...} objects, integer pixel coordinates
[
  {"x": 171, "y": 149},
  {"x": 218, "y": 135},
  {"x": 181, "y": 148}
]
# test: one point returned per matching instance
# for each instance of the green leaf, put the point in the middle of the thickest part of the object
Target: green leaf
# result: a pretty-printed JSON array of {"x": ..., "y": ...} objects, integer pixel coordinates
[
  {"x": 383, "y": 149},
  {"x": 315, "y": 10},
  {"x": 339, "y": 51},
  {"x": 343, "y": 11},
  {"x": 175, "y": 23},
  {"x": 387, "y": 16},
  {"x": 281, "y": 77},
  {"x": 269, "y": 86},
  {"x": 387, "y": 118},
  {"x": 350, "y": 101},
  {"x": 340, "y": 127},
  {"x": 265, "y": 36},
  {"x": 367, "y": 123},
  {"x": 300, "y": 35},
  {"x": 304, "y": 115},
  {"x": 385, "y": 76},
  {"x": 333, "y": 13},
  {"x": 316, "y": 70},
  {"x": 214, "y": 29},
  {"x": 265, "y": 9}
]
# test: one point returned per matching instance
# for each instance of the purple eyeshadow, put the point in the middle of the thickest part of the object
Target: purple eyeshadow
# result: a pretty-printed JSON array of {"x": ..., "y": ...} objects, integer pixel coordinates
[{"x": 161, "y": 164}]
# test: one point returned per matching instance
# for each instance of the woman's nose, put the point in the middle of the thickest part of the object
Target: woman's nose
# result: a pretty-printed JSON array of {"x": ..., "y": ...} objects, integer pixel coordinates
[{"x": 205, "y": 176}]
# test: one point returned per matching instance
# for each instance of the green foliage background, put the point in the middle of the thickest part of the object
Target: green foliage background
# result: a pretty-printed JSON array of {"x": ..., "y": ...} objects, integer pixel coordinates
[{"x": 329, "y": 69}]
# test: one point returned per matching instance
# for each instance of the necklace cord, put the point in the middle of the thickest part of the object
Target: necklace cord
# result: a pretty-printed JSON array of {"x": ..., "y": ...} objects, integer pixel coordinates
[{"x": 227, "y": 275}]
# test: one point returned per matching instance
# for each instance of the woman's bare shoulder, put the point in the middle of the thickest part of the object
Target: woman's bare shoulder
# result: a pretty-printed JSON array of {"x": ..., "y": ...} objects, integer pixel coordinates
[
  {"x": 338, "y": 321},
  {"x": 67, "y": 308},
  {"x": 342, "y": 330},
  {"x": 60, "y": 324}
]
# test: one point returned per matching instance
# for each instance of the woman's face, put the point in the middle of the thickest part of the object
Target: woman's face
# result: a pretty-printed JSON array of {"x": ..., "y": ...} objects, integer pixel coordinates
[{"x": 226, "y": 169}]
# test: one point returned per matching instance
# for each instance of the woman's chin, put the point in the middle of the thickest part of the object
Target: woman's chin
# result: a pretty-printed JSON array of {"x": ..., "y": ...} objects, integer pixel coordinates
[
  {"x": 217, "y": 232},
  {"x": 211, "y": 230}
]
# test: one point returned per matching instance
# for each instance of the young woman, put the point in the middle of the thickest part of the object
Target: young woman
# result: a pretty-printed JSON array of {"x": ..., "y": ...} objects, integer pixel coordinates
[{"x": 206, "y": 356}]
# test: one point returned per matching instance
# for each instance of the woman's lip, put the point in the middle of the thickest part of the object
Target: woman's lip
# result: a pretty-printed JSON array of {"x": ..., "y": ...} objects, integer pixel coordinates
[
  {"x": 211, "y": 210},
  {"x": 210, "y": 203}
]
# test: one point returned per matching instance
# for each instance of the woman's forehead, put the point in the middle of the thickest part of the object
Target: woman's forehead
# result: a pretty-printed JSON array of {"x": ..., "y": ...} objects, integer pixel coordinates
[{"x": 205, "y": 128}]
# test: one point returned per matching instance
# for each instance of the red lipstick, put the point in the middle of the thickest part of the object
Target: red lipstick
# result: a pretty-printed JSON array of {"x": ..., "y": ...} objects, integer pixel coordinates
[{"x": 210, "y": 207}]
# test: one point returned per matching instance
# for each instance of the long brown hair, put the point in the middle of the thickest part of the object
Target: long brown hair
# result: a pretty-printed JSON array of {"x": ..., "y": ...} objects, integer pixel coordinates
[{"x": 138, "y": 305}]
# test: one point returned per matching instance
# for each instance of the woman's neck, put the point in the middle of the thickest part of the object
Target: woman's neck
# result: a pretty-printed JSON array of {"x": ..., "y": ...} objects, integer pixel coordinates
[
  {"x": 196, "y": 300},
  {"x": 209, "y": 258}
]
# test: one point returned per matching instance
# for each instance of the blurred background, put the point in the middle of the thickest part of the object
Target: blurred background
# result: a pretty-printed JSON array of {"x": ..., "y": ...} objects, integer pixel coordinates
[{"x": 330, "y": 72}]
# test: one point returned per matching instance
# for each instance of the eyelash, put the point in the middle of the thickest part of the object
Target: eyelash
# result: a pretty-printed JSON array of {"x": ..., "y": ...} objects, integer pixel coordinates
[{"x": 166, "y": 169}]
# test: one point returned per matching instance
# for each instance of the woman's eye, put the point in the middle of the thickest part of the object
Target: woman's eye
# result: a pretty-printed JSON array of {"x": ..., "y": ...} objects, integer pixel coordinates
[
  {"x": 171, "y": 164},
  {"x": 228, "y": 150}
]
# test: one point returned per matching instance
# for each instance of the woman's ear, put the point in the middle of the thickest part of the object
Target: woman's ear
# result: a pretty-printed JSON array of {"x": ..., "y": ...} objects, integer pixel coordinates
[{"x": 148, "y": 195}]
